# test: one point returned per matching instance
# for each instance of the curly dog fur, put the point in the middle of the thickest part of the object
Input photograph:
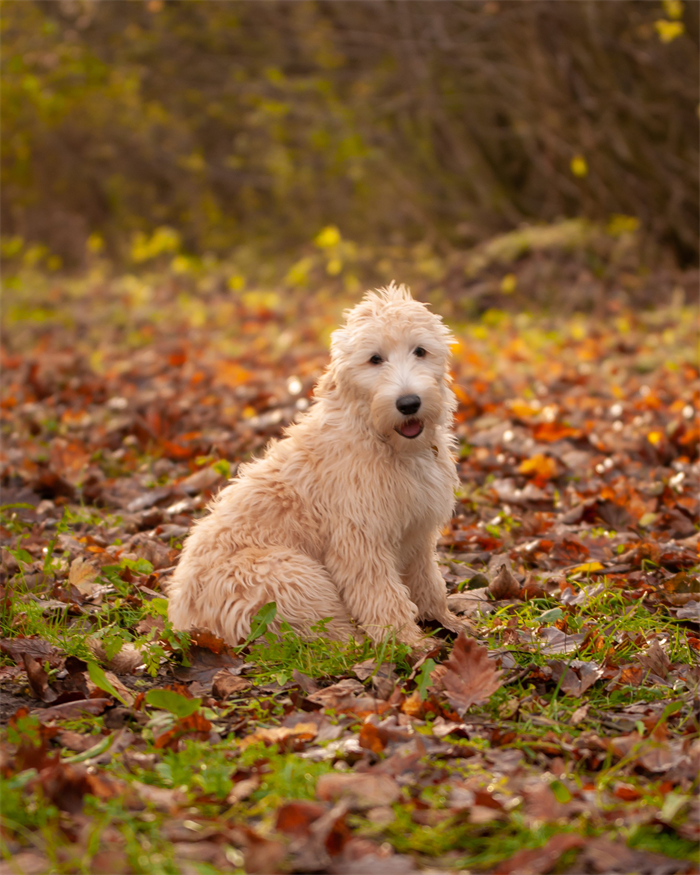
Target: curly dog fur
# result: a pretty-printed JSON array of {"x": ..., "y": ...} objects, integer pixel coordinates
[{"x": 340, "y": 518}]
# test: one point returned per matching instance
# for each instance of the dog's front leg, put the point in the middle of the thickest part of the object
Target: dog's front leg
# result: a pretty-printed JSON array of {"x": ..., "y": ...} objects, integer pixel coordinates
[
  {"x": 425, "y": 584},
  {"x": 368, "y": 581}
]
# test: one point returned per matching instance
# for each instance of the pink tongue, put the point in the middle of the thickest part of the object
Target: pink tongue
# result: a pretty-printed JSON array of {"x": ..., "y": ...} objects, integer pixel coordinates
[{"x": 411, "y": 428}]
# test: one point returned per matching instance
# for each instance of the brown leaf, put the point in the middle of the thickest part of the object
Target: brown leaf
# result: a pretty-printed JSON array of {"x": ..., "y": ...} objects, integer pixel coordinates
[
  {"x": 71, "y": 710},
  {"x": 121, "y": 688},
  {"x": 205, "y": 663},
  {"x": 655, "y": 660},
  {"x": 337, "y": 694},
  {"x": 124, "y": 662},
  {"x": 242, "y": 789},
  {"x": 576, "y": 677},
  {"x": 26, "y": 863},
  {"x": 540, "y": 860},
  {"x": 163, "y": 798},
  {"x": 225, "y": 684},
  {"x": 541, "y": 805},
  {"x": 282, "y": 735},
  {"x": 38, "y": 679},
  {"x": 471, "y": 677},
  {"x": 264, "y": 856},
  {"x": 36, "y": 647},
  {"x": 364, "y": 790},
  {"x": 82, "y": 575},
  {"x": 372, "y": 738},
  {"x": 296, "y": 817},
  {"x": 66, "y": 785},
  {"x": 365, "y": 669},
  {"x": 504, "y": 585}
]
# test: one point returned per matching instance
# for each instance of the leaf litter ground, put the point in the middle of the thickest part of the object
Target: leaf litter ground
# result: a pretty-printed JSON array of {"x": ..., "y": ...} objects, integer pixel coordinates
[{"x": 561, "y": 735}]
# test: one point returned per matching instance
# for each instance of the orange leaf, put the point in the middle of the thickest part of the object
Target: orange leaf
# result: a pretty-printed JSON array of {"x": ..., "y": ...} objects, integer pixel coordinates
[
  {"x": 554, "y": 431},
  {"x": 540, "y": 466},
  {"x": 231, "y": 374}
]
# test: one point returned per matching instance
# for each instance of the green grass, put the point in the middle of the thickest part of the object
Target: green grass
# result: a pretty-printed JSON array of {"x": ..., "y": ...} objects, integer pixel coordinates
[{"x": 277, "y": 656}]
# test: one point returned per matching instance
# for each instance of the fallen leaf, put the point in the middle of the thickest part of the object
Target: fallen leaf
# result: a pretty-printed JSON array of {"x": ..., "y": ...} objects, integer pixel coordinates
[
  {"x": 541, "y": 467},
  {"x": 655, "y": 660},
  {"x": 364, "y": 790},
  {"x": 124, "y": 662},
  {"x": 205, "y": 663},
  {"x": 225, "y": 684},
  {"x": 38, "y": 679},
  {"x": 82, "y": 575},
  {"x": 35, "y": 647},
  {"x": 504, "y": 585},
  {"x": 71, "y": 710},
  {"x": 281, "y": 735},
  {"x": 25, "y": 863},
  {"x": 471, "y": 677},
  {"x": 162, "y": 798},
  {"x": 540, "y": 860},
  {"x": 295, "y": 818}
]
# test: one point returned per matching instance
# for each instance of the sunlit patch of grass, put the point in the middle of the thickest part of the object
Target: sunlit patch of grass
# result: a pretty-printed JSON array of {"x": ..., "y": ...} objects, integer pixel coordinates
[
  {"x": 480, "y": 846},
  {"x": 55, "y": 628},
  {"x": 277, "y": 656},
  {"x": 627, "y": 626},
  {"x": 659, "y": 840}
]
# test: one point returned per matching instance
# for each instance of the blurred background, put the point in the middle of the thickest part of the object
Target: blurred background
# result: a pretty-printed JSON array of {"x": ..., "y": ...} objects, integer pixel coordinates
[{"x": 486, "y": 152}]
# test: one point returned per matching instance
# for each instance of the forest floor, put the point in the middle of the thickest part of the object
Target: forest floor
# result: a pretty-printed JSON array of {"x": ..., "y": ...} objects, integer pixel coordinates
[{"x": 560, "y": 736}]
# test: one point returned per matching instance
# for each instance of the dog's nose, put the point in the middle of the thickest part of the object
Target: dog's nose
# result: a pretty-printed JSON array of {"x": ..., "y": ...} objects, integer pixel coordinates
[{"x": 408, "y": 404}]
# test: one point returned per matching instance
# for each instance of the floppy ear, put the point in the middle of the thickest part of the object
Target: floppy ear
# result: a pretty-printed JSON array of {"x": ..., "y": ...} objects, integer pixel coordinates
[{"x": 340, "y": 342}]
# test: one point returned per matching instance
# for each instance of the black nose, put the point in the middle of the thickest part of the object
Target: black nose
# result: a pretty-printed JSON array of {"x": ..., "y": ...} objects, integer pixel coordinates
[{"x": 408, "y": 404}]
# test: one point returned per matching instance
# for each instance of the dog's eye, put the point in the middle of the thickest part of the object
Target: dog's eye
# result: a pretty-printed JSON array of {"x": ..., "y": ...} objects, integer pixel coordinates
[
  {"x": 376, "y": 359},
  {"x": 419, "y": 352}
]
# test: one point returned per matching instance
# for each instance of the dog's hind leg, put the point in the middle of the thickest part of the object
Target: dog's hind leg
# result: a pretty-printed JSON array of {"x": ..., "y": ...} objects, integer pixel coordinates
[{"x": 226, "y": 597}]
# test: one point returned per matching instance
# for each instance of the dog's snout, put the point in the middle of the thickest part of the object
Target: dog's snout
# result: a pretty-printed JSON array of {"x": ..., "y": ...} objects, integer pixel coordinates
[{"x": 408, "y": 404}]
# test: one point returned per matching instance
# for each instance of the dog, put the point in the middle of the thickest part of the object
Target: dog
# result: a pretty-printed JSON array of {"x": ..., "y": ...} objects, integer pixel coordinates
[{"x": 340, "y": 518}]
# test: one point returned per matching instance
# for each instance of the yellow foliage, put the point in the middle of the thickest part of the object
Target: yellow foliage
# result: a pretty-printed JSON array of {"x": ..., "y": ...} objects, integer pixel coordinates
[
  {"x": 509, "y": 283},
  {"x": 328, "y": 237},
  {"x": 540, "y": 466},
  {"x": 522, "y": 409},
  {"x": 579, "y": 166},
  {"x": 673, "y": 8},
  {"x": 620, "y": 224},
  {"x": 669, "y": 30},
  {"x": 298, "y": 273},
  {"x": 164, "y": 240},
  {"x": 587, "y": 567},
  {"x": 95, "y": 243}
]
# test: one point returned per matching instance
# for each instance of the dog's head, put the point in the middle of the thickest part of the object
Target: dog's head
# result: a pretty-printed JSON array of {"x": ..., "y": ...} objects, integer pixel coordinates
[{"x": 389, "y": 364}]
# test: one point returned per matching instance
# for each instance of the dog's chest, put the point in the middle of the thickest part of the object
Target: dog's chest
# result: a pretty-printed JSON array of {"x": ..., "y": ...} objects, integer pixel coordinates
[{"x": 428, "y": 483}]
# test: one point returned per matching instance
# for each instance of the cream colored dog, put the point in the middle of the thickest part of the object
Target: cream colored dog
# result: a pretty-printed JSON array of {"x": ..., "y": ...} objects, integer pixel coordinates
[{"x": 341, "y": 517}]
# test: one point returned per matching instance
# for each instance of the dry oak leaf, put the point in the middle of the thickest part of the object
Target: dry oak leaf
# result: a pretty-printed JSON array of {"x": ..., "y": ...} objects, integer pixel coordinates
[
  {"x": 655, "y": 660},
  {"x": 471, "y": 677},
  {"x": 124, "y": 662},
  {"x": 225, "y": 684},
  {"x": 540, "y": 860},
  {"x": 82, "y": 575},
  {"x": 504, "y": 585},
  {"x": 281, "y": 734},
  {"x": 363, "y": 790}
]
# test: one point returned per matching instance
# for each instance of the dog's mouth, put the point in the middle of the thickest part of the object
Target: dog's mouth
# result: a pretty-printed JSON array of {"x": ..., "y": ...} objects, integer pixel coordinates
[{"x": 411, "y": 428}]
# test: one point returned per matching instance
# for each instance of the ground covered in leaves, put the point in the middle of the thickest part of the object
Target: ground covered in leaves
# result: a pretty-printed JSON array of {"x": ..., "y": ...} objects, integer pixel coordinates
[{"x": 560, "y": 735}]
